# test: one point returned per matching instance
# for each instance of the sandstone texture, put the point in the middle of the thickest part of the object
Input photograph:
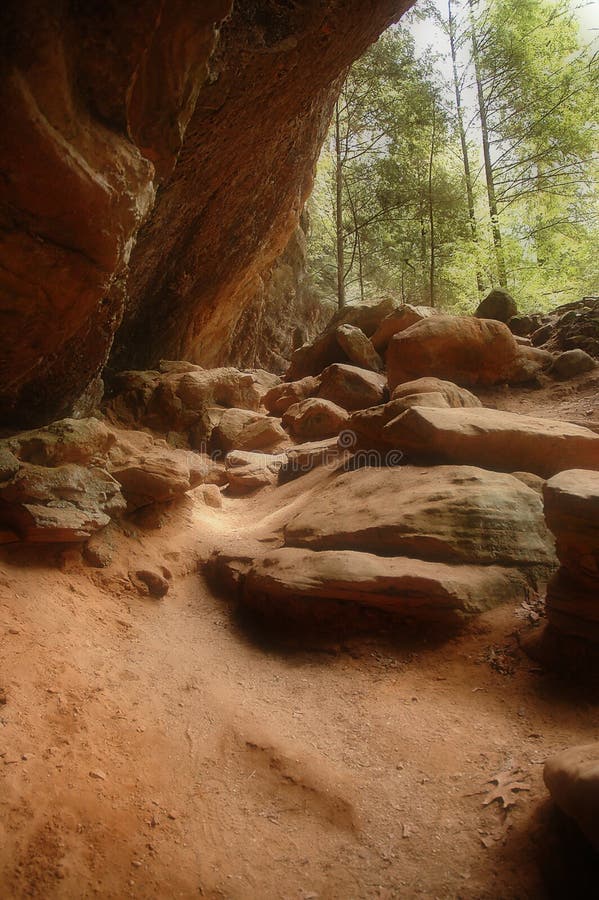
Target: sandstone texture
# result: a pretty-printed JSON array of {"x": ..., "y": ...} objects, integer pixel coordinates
[
  {"x": 467, "y": 351},
  {"x": 494, "y": 439},
  {"x": 104, "y": 105},
  {"x": 572, "y": 778}
]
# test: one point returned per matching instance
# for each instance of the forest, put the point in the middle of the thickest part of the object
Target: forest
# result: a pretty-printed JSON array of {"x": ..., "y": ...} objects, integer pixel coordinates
[{"x": 465, "y": 163}]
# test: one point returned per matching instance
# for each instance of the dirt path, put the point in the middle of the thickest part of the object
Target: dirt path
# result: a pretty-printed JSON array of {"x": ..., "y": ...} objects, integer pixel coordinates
[{"x": 161, "y": 749}]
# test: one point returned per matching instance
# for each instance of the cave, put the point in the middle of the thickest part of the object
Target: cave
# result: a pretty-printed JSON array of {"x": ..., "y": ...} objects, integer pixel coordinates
[{"x": 295, "y": 600}]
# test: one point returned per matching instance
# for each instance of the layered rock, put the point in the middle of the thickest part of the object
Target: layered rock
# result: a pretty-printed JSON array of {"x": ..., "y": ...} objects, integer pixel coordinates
[
  {"x": 65, "y": 482},
  {"x": 572, "y": 778},
  {"x": 358, "y": 348},
  {"x": 100, "y": 106},
  {"x": 572, "y": 514},
  {"x": 185, "y": 401},
  {"x": 494, "y": 439},
  {"x": 442, "y": 543}
]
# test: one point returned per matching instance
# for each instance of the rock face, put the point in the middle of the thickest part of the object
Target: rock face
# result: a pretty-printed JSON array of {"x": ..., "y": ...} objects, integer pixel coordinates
[
  {"x": 101, "y": 105},
  {"x": 284, "y": 313},
  {"x": 464, "y": 350},
  {"x": 572, "y": 514},
  {"x": 572, "y": 778},
  {"x": 493, "y": 438}
]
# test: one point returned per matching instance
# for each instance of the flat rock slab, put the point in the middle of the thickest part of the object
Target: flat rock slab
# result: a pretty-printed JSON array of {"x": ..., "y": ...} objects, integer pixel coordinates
[
  {"x": 495, "y": 439},
  {"x": 446, "y": 514},
  {"x": 296, "y": 581},
  {"x": 572, "y": 778}
]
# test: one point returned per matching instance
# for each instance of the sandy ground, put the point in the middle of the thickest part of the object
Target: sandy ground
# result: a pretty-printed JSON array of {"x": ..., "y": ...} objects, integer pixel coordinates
[{"x": 169, "y": 749}]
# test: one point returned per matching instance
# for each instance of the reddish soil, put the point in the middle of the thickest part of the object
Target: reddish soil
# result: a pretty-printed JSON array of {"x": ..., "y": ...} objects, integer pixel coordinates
[{"x": 164, "y": 748}]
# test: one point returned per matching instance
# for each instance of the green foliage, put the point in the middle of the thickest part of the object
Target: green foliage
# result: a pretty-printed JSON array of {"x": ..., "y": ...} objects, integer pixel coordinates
[{"x": 405, "y": 221}]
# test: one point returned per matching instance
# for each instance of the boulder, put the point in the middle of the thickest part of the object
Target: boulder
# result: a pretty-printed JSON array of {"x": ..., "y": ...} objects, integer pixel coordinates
[
  {"x": 450, "y": 514},
  {"x": 572, "y": 363},
  {"x": 572, "y": 514},
  {"x": 240, "y": 429},
  {"x": 64, "y": 503},
  {"x": 295, "y": 582},
  {"x": 246, "y": 471},
  {"x": 572, "y": 778},
  {"x": 181, "y": 399},
  {"x": 149, "y": 471},
  {"x": 65, "y": 441},
  {"x": 530, "y": 362},
  {"x": 302, "y": 458},
  {"x": 397, "y": 321},
  {"x": 314, "y": 419},
  {"x": 455, "y": 396},
  {"x": 499, "y": 305},
  {"x": 280, "y": 398},
  {"x": 311, "y": 359},
  {"x": 367, "y": 424},
  {"x": 351, "y": 387},
  {"x": 493, "y": 439},
  {"x": 464, "y": 350},
  {"x": 358, "y": 348}
]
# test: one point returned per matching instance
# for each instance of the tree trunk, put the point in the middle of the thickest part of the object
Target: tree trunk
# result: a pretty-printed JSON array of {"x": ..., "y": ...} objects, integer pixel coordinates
[
  {"x": 339, "y": 211},
  {"x": 431, "y": 216},
  {"x": 463, "y": 141},
  {"x": 489, "y": 177}
]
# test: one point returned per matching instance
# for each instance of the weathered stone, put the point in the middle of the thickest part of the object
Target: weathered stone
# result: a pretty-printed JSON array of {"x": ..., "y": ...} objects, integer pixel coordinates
[
  {"x": 66, "y": 441},
  {"x": 99, "y": 109},
  {"x": 499, "y": 305},
  {"x": 63, "y": 503},
  {"x": 358, "y": 348},
  {"x": 529, "y": 364},
  {"x": 280, "y": 398},
  {"x": 314, "y": 419},
  {"x": 240, "y": 429},
  {"x": 302, "y": 458},
  {"x": 572, "y": 514},
  {"x": 464, "y": 350},
  {"x": 445, "y": 514},
  {"x": 494, "y": 439},
  {"x": 150, "y": 582},
  {"x": 248, "y": 471},
  {"x": 572, "y": 363},
  {"x": 572, "y": 778},
  {"x": 311, "y": 359},
  {"x": 455, "y": 396},
  {"x": 212, "y": 496},
  {"x": 352, "y": 388},
  {"x": 397, "y": 321},
  {"x": 295, "y": 582}
]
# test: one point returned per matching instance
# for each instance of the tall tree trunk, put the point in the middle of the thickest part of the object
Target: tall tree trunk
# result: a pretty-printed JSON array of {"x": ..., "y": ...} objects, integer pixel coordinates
[
  {"x": 339, "y": 211},
  {"x": 463, "y": 141},
  {"x": 489, "y": 176},
  {"x": 431, "y": 215}
]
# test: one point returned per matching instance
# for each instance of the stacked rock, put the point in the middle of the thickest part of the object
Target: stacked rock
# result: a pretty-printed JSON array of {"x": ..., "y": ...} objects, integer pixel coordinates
[{"x": 572, "y": 514}]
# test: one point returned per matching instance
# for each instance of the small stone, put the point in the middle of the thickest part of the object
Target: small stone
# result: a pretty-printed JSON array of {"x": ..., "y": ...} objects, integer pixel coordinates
[
  {"x": 3, "y": 697},
  {"x": 212, "y": 496},
  {"x": 98, "y": 774},
  {"x": 149, "y": 582}
]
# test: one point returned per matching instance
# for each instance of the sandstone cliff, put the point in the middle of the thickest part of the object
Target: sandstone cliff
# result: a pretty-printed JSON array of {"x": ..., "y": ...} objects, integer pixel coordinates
[{"x": 199, "y": 124}]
